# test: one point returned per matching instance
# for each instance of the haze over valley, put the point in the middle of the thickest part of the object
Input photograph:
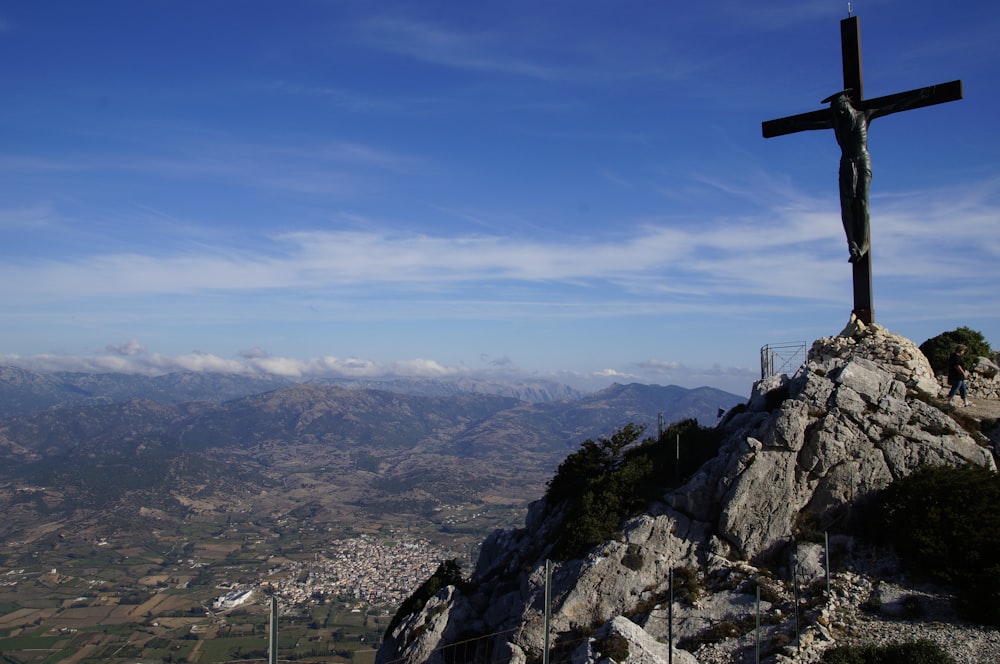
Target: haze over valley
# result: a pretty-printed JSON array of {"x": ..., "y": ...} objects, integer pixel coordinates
[{"x": 170, "y": 508}]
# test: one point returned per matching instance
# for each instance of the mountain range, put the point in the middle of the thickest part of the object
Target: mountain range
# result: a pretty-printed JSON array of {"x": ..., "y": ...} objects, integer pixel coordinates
[
  {"x": 76, "y": 448},
  {"x": 23, "y": 391}
]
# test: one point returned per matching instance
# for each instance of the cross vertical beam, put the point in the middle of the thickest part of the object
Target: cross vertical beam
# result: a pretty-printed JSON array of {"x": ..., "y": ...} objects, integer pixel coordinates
[{"x": 850, "y": 54}]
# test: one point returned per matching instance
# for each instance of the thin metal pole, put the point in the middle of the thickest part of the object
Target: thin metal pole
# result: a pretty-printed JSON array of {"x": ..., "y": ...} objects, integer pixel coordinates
[
  {"x": 795, "y": 590},
  {"x": 826, "y": 556},
  {"x": 670, "y": 617},
  {"x": 548, "y": 610},
  {"x": 677, "y": 460},
  {"x": 757, "y": 630},
  {"x": 272, "y": 639}
]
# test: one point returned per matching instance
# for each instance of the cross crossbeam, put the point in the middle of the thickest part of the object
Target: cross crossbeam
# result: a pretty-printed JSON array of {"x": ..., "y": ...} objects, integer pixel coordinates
[{"x": 934, "y": 94}]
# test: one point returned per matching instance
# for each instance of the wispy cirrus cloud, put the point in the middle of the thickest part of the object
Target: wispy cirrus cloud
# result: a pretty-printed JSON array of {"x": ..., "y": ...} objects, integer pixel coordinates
[
  {"x": 332, "y": 167},
  {"x": 318, "y": 259},
  {"x": 435, "y": 43},
  {"x": 790, "y": 251},
  {"x": 34, "y": 217},
  {"x": 525, "y": 49}
]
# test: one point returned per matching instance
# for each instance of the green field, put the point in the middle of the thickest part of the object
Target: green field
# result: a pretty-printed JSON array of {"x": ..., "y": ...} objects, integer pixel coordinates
[{"x": 140, "y": 599}]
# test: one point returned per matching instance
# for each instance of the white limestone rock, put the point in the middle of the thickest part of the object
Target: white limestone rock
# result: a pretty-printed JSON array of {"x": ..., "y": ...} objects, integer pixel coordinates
[
  {"x": 764, "y": 387},
  {"x": 855, "y": 417},
  {"x": 845, "y": 429},
  {"x": 440, "y": 621},
  {"x": 986, "y": 368},
  {"x": 642, "y": 647}
]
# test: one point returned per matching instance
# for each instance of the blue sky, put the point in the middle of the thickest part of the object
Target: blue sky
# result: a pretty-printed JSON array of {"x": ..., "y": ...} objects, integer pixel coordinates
[{"x": 576, "y": 190}]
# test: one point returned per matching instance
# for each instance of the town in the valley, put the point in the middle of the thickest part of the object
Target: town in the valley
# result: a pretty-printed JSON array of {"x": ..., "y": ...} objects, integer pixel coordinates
[
  {"x": 368, "y": 570},
  {"x": 112, "y": 599}
]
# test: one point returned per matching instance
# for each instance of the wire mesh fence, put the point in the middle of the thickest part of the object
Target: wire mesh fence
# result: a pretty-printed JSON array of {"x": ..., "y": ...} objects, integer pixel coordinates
[
  {"x": 760, "y": 621},
  {"x": 783, "y": 358}
]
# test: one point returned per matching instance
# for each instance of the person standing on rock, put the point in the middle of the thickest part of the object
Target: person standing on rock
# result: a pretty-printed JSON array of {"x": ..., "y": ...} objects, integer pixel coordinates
[{"x": 957, "y": 375}]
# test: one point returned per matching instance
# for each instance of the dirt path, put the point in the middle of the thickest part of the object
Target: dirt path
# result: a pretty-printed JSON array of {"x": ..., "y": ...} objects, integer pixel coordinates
[{"x": 982, "y": 409}]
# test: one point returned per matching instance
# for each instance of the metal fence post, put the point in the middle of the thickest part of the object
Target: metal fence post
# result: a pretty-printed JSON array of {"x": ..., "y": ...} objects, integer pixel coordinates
[
  {"x": 826, "y": 556},
  {"x": 670, "y": 617},
  {"x": 548, "y": 610},
  {"x": 757, "y": 630}
]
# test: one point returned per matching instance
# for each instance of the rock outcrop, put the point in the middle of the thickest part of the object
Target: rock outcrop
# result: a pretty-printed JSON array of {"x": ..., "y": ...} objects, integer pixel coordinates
[{"x": 809, "y": 448}]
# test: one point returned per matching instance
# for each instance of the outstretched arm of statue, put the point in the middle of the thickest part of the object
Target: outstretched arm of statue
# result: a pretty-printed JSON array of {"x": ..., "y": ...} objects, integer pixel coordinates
[{"x": 821, "y": 119}]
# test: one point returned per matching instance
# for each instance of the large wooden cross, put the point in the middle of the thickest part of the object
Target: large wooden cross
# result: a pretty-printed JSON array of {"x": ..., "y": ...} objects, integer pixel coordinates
[{"x": 849, "y": 115}]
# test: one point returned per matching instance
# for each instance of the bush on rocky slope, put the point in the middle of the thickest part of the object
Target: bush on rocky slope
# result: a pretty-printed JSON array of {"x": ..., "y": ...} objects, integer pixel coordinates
[
  {"x": 919, "y": 652},
  {"x": 938, "y": 349},
  {"x": 608, "y": 480},
  {"x": 944, "y": 523}
]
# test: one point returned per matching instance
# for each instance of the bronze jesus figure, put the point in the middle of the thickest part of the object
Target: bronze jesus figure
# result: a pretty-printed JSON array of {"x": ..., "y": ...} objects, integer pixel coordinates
[
  {"x": 850, "y": 125},
  {"x": 851, "y": 128}
]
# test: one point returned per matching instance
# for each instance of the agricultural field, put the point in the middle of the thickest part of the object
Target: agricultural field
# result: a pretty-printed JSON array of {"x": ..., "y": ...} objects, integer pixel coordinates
[
  {"x": 156, "y": 594},
  {"x": 140, "y": 531}
]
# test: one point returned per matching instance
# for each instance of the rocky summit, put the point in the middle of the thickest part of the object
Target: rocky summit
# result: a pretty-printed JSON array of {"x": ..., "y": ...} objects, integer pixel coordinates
[{"x": 805, "y": 449}]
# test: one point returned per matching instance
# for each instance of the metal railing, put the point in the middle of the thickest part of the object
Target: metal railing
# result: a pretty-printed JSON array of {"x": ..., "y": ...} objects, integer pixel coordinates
[{"x": 781, "y": 358}]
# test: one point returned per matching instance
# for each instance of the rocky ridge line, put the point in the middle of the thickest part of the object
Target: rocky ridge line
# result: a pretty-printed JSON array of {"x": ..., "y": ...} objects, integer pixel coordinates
[{"x": 858, "y": 415}]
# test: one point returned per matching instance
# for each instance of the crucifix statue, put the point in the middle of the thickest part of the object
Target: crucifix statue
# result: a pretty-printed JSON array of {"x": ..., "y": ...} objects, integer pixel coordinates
[{"x": 849, "y": 115}]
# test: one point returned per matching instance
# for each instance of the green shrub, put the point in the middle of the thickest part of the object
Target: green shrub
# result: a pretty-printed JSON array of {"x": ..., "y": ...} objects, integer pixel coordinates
[
  {"x": 770, "y": 591},
  {"x": 447, "y": 574},
  {"x": 720, "y": 631},
  {"x": 593, "y": 459},
  {"x": 944, "y": 523},
  {"x": 633, "y": 558},
  {"x": 687, "y": 584},
  {"x": 611, "y": 479},
  {"x": 916, "y": 652},
  {"x": 872, "y": 605},
  {"x": 980, "y": 598},
  {"x": 615, "y": 647},
  {"x": 938, "y": 349},
  {"x": 807, "y": 527},
  {"x": 913, "y": 609}
]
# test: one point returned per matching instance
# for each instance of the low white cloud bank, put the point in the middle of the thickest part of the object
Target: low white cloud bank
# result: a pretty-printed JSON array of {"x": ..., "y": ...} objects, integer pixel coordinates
[
  {"x": 131, "y": 358},
  {"x": 130, "y": 347}
]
